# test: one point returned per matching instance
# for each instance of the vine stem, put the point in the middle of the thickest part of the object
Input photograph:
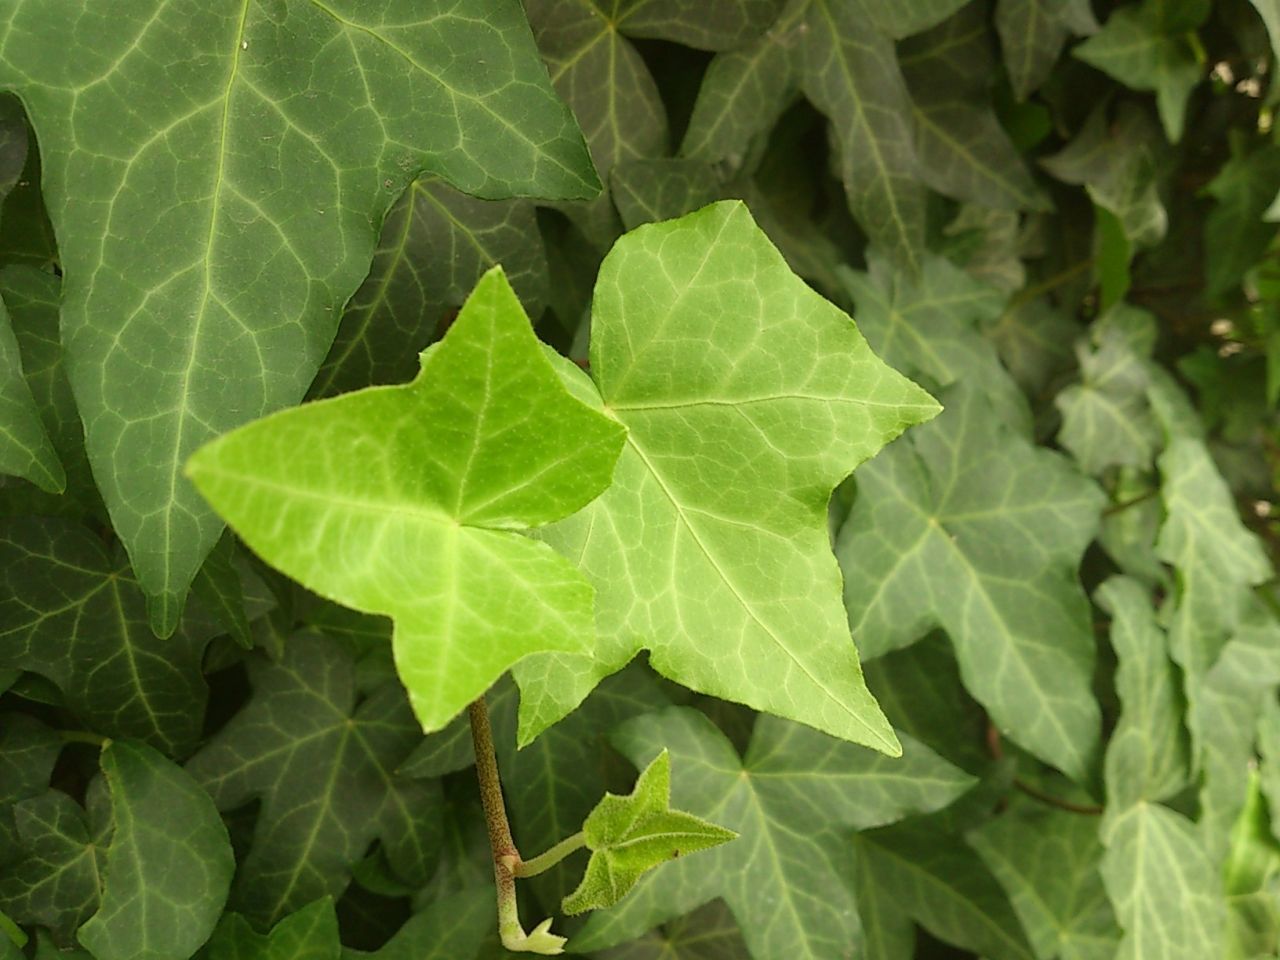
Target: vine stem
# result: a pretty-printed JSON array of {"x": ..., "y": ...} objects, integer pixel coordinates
[
  {"x": 506, "y": 858},
  {"x": 545, "y": 861}
]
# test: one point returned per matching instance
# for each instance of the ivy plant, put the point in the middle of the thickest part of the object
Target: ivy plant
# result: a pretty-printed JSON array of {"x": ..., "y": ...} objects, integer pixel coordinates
[{"x": 785, "y": 479}]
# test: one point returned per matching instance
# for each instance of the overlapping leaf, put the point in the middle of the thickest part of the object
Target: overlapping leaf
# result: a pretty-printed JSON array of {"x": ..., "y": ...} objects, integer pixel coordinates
[
  {"x": 436, "y": 244},
  {"x": 942, "y": 883},
  {"x": 1047, "y": 862},
  {"x": 1106, "y": 420},
  {"x": 75, "y": 615},
  {"x": 968, "y": 527},
  {"x": 169, "y": 864},
  {"x": 721, "y": 565},
  {"x": 323, "y": 767},
  {"x": 1032, "y": 34},
  {"x": 785, "y": 878},
  {"x": 25, "y": 448},
  {"x": 405, "y": 500},
  {"x": 1135, "y": 47},
  {"x": 252, "y": 149}
]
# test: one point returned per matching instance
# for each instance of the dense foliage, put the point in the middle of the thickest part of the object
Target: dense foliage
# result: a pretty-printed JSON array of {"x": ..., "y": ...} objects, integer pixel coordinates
[{"x": 363, "y": 358}]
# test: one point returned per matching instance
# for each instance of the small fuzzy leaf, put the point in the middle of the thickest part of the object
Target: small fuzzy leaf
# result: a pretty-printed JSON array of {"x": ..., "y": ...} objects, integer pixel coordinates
[{"x": 630, "y": 835}]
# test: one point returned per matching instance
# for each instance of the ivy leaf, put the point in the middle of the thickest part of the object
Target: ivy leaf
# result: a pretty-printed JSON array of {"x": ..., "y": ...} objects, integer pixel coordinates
[
  {"x": 169, "y": 864},
  {"x": 1032, "y": 34},
  {"x": 28, "y": 751},
  {"x": 708, "y": 933},
  {"x": 1167, "y": 895},
  {"x": 25, "y": 448},
  {"x": 1047, "y": 862},
  {"x": 787, "y": 798},
  {"x": 270, "y": 143},
  {"x": 851, "y": 74},
  {"x": 1236, "y": 234},
  {"x": 56, "y": 884},
  {"x": 1115, "y": 161},
  {"x": 963, "y": 150},
  {"x": 323, "y": 766},
  {"x": 629, "y": 836},
  {"x": 309, "y": 934},
  {"x": 73, "y": 614},
  {"x": 723, "y": 568},
  {"x": 1106, "y": 420},
  {"x": 1224, "y": 716},
  {"x": 930, "y": 328},
  {"x": 1217, "y": 559},
  {"x": 943, "y": 884},
  {"x": 971, "y": 528},
  {"x": 408, "y": 499},
  {"x": 436, "y": 244},
  {"x": 1147, "y": 756},
  {"x": 1134, "y": 48}
]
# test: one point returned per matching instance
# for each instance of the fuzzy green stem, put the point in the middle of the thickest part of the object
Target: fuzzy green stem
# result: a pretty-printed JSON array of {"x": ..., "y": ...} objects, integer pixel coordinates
[
  {"x": 545, "y": 861},
  {"x": 506, "y": 858}
]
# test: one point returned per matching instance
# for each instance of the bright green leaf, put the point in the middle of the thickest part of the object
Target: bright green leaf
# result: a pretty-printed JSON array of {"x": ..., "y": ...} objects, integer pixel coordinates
[
  {"x": 968, "y": 527},
  {"x": 410, "y": 498},
  {"x": 169, "y": 865},
  {"x": 629, "y": 836},
  {"x": 721, "y": 564},
  {"x": 253, "y": 149},
  {"x": 324, "y": 767}
]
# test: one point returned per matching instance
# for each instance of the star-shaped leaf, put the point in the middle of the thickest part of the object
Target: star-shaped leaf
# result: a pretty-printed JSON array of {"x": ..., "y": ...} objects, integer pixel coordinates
[
  {"x": 720, "y": 562},
  {"x": 75, "y": 615},
  {"x": 1032, "y": 34},
  {"x": 796, "y": 789},
  {"x": 969, "y": 527},
  {"x": 239, "y": 204},
  {"x": 1106, "y": 420},
  {"x": 629, "y": 836},
  {"x": 1134, "y": 48},
  {"x": 406, "y": 500},
  {"x": 169, "y": 864},
  {"x": 323, "y": 766},
  {"x": 56, "y": 884}
]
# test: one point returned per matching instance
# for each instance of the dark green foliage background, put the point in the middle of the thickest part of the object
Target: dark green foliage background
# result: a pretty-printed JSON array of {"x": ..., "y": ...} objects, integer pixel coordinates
[{"x": 1058, "y": 216}]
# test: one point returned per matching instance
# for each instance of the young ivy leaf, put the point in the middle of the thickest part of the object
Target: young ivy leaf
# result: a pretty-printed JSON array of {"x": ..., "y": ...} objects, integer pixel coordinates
[
  {"x": 747, "y": 397},
  {"x": 407, "y": 501},
  {"x": 630, "y": 835}
]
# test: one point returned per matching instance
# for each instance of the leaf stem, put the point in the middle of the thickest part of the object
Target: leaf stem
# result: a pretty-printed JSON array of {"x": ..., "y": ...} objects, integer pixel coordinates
[
  {"x": 506, "y": 858},
  {"x": 545, "y": 861}
]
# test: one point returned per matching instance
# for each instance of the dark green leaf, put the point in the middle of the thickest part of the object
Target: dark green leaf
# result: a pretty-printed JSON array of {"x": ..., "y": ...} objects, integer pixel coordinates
[
  {"x": 169, "y": 865},
  {"x": 323, "y": 767}
]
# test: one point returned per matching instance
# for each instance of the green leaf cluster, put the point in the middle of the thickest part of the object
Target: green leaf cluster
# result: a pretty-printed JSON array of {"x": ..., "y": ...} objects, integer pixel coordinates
[{"x": 837, "y": 440}]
